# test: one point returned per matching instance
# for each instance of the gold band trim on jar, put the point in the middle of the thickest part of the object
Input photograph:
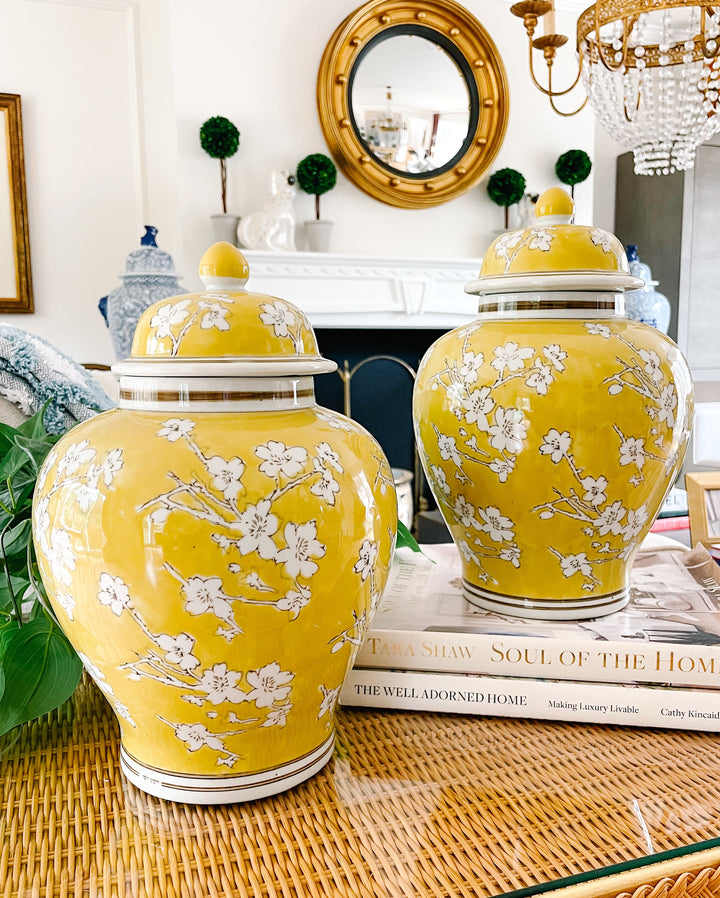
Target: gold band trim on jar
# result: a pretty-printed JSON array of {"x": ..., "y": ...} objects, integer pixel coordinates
[
  {"x": 538, "y": 305},
  {"x": 149, "y": 395}
]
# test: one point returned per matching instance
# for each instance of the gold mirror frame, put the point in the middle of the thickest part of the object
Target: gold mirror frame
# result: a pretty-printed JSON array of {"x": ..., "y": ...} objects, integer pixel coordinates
[
  {"x": 18, "y": 210},
  {"x": 447, "y": 23}
]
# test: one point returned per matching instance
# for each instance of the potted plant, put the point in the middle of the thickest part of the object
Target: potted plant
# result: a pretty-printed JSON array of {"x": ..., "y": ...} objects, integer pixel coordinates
[
  {"x": 39, "y": 669},
  {"x": 220, "y": 139},
  {"x": 316, "y": 174},
  {"x": 506, "y": 187},
  {"x": 573, "y": 168}
]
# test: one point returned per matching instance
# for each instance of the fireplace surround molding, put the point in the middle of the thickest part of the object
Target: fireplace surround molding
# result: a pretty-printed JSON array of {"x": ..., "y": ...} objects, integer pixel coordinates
[{"x": 337, "y": 290}]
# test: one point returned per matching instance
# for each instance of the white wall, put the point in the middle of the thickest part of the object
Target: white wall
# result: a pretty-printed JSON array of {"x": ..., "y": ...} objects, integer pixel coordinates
[{"x": 114, "y": 92}]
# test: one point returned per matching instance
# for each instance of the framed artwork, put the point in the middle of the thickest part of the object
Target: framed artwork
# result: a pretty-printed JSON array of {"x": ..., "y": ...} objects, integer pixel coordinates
[
  {"x": 16, "y": 293},
  {"x": 703, "y": 494}
]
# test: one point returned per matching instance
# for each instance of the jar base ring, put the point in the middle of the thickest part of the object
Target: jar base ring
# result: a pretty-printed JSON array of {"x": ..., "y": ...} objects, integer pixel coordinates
[
  {"x": 546, "y": 609},
  {"x": 204, "y": 789}
]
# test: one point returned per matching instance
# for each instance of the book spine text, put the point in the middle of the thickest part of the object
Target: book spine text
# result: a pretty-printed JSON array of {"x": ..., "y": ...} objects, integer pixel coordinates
[{"x": 635, "y": 705}]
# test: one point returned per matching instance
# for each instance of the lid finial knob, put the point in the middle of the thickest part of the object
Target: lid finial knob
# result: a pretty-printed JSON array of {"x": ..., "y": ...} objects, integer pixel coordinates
[
  {"x": 555, "y": 206},
  {"x": 223, "y": 267}
]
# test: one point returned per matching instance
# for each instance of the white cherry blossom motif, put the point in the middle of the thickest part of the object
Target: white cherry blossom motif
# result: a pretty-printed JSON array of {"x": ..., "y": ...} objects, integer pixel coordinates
[
  {"x": 496, "y": 525},
  {"x": 278, "y": 316},
  {"x": 540, "y": 378},
  {"x": 220, "y": 685},
  {"x": 206, "y": 594},
  {"x": 214, "y": 316},
  {"x": 197, "y": 736},
  {"x": 42, "y": 516},
  {"x": 293, "y": 601},
  {"x": 478, "y": 404},
  {"x": 540, "y": 238},
  {"x": 440, "y": 480},
  {"x": 60, "y": 555},
  {"x": 279, "y": 459},
  {"x": 556, "y": 444},
  {"x": 302, "y": 546},
  {"x": 465, "y": 512},
  {"x": 328, "y": 457},
  {"x": 574, "y": 564},
  {"x": 169, "y": 316},
  {"x": 227, "y": 475},
  {"x": 326, "y": 487},
  {"x": 178, "y": 650},
  {"x": 329, "y": 700},
  {"x": 667, "y": 401},
  {"x": 555, "y": 355},
  {"x": 277, "y": 717},
  {"x": 602, "y": 239},
  {"x": 269, "y": 685},
  {"x": 609, "y": 519},
  {"x": 503, "y": 467},
  {"x": 512, "y": 554},
  {"x": 471, "y": 364},
  {"x": 510, "y": 356},
  {"x": 652, "y": 365},
  {"x": 86, "y": 496},
  {"x": 448, "y": 448},
  {"x": 258, "y": 526},
  {"x": 595, "y": 490},
  {"x": 67, "y": 603},
  {"x": 110, "y": 466},
  {"x": 76, "y": 455},
  {"x": 632, "y": 452},
  {"x": 509, "y": 430},
  {"x": 600, "y": 330},
  {"x": 113, "y": 592},
  {"x": 636, "y": 520},
  {"x": 506, "y": 243},
  {"x": 367, "y": 559},
  {"x": 176, "y": 428}
]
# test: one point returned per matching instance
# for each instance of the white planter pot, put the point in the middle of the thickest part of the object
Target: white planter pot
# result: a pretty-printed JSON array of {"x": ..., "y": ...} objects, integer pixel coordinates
[
  {"x": 318, "y": 235},
  {"x": 225, "y": 227}
]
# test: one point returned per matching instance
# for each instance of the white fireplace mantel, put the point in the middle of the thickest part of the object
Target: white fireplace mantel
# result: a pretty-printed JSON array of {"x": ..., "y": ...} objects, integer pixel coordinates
[{"x": 341, "y": 290}]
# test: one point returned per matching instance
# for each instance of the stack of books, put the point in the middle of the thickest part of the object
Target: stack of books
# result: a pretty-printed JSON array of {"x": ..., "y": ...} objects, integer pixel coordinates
[{"x": 656, "y": 663}]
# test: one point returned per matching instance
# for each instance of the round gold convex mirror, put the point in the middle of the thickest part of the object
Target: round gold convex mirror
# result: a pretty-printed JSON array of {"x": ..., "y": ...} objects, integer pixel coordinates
[{"x": 413, "y": 100}]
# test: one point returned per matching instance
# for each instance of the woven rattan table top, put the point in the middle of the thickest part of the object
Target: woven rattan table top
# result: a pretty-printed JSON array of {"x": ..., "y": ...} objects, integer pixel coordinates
[{"x": 411, "y": 805}]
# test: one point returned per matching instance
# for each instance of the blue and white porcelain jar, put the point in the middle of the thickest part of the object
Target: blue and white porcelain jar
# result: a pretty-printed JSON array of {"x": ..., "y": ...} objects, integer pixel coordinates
[
  {"x": 646, "y": 304},
  {"x": 149, "y": 276}
]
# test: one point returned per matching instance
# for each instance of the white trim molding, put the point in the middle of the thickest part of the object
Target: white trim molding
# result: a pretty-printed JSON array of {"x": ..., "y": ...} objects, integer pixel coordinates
[{"x": 342, "y": 290}]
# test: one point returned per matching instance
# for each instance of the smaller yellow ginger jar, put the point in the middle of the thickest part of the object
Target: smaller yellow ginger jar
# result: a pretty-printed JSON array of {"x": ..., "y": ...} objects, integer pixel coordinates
[
  {"x": 551, "y": 428},
  {"x": 215, "y": 547}
]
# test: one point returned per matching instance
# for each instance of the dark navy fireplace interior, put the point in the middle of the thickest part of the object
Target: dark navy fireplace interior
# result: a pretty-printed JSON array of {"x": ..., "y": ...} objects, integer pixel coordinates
[{"x": 381, "y": 390}]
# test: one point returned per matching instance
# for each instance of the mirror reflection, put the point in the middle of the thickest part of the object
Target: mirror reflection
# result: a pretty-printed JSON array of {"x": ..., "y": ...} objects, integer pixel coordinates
[{"x": 410, "y": 104}]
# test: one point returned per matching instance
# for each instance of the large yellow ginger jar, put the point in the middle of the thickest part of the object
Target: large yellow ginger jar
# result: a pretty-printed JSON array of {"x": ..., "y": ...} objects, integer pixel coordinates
[
  {"x": 551, "y": 428},
  {"x": 216, "y": 546}
]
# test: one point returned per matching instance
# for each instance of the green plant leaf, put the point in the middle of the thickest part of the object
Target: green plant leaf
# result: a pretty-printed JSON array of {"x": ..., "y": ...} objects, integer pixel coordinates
[
  {"x": 35, "y": 449},
  {"x": 405, "y": 538},
  {"x": 40, "y": 669},
  {"x": 16, "y": 539}
]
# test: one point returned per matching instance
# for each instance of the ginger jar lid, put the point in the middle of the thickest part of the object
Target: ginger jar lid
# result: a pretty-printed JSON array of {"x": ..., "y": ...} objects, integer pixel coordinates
[
  {"x": 554, "y": 254},
  {"x": 149, "y": 259},
  {"x": 225, "y": 330}
]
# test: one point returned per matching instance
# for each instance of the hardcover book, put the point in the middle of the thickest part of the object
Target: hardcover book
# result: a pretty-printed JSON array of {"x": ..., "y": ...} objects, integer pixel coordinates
[
  {"x": 668, "y": 634},
  {"x": 631, "y": 704}
]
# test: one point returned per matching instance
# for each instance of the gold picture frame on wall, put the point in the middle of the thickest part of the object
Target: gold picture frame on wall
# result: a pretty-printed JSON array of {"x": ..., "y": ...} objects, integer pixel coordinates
[
  {"x": 16, "y": 292},
  {"x": 703, "y": 495},
  {"x": 466, "y": 45}
]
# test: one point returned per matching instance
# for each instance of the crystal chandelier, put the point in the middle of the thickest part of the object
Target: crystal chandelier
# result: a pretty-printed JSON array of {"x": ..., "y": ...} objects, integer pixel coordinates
[{"x": 650, "y": 70}]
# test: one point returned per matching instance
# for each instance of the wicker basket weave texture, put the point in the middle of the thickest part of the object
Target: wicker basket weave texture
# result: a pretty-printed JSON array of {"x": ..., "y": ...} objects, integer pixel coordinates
[{"x": 411, "y": 805}]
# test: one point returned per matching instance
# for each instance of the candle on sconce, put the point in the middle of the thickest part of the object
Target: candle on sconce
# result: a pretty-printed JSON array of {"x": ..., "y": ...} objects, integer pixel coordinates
[{"x": 549, "y": 21}]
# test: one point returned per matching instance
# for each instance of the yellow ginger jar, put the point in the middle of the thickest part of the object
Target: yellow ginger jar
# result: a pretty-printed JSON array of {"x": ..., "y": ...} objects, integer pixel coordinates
[
  {"x": 551, "y": 428},
  {"x": 215, "y": 547}
]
